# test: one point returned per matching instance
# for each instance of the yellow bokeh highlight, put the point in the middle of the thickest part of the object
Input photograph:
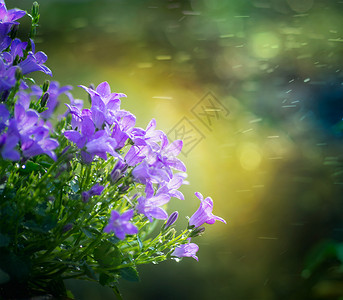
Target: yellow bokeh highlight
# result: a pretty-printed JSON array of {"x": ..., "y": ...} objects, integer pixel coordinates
[{"x": 249, "y": 156}]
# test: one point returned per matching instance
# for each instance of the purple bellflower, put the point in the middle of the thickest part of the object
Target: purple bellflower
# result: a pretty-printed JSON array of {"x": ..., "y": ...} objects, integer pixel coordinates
[
  {"x": 92, "y": 142},
  {"x": 34, "y": 135},
  {"x": 204, "y": 213},
  {"x": 35, "y": 62},
  {"x": 159, "y": 159},
  {"x": 103, "y": 91},
  {"x": 153, "y": 136},
  {"x": 123, "y": 128},
  {"x": 8, "y": 142},
  {"x": 135, "y": 155},
  {"x": 145, "y": 143},
  {"x": 8, "y": 18},
  {"x": 77, "y": 103},
  {"x": 168, "y": 155},
  {"x": 172, "y": 186},
  {"x": 104, "y": 103},
  {"x": 39, "y": 143},
  {"x": 95, "y": 190},
  {"x": 118, "y": 171},
  {"x": 145, "y": 172},
  {"x": 120, "y": 224},
  {"x": 7, "y": 76},
  {"x": 4, "y": 117},
  {"x": 186, "y": 250},
  {"x": 150, "y": 205},
  {"x": 17, "y": 49}
]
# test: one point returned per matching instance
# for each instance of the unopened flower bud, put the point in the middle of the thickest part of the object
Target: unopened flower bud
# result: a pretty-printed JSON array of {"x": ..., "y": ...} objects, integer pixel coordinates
[
  {"x": 44, "y": 99},
  {"x": 171, "y": 220},
  {"x": 67, "y": 227},
  {"x": 118, "y": 171},
  {"x": 65, "y": 150},
  {"x": 124, "y": 188},
  {"x": 45, "y": 86},
  {"x": 115, "y": 175},
  {"x": 35, "y": 10},
  {"x": 197, "y": 231},
  {"x": 18, "y": 74},
  {"x": 85, "y": 197}
]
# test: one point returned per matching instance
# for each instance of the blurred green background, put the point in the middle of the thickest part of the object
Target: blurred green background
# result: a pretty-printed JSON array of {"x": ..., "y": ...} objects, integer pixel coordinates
[{"x": 271, "y": 156}]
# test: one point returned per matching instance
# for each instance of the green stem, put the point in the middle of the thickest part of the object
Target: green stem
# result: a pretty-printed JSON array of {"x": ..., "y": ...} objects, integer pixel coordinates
[{"x": 52, "y": 167}]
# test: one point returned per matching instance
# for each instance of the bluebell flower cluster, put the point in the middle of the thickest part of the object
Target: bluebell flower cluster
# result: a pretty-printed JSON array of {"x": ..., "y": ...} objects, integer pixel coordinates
[
  {"x": 95, "y": 180},
  {"x": 23, "y": 132}
]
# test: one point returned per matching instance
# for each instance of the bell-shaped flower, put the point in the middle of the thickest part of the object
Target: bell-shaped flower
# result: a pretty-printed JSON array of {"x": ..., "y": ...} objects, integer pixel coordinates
[
  {"x": 186, "y": 250},
  {"x": 17, "y": 49},
  {"x": 38, "y": 142},
  {"x": 35, "y": 62},
  {"x": 95, "y": 190},
  {"x": 4, "y": 117},
  {"x": 204, "y": 213},
  {"x": 8, "y": 18},
  {"x": 135, "y": 155},
  {"x": 173, "y": 185},
  {"x": 120, "y": 224},
  {"x": 34, "y": 134},
  {"x": 7, "y": 76},
  {"x": 144, "y": 173},
  {"x": 104, "y": 103},
  {"x": 8, "y": 143},
  {"x": 152, "y": 136},
  {"x": 150, "y": 205}
]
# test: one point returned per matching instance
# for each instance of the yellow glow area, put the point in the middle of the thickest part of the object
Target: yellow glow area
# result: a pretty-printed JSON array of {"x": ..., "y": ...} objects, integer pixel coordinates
[
  {"x": 249, "y": 156},
  {"x": 265, "y": 44}
]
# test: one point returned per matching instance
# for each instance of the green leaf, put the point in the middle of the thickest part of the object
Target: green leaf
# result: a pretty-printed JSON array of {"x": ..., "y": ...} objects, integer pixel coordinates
[
  {"x": 107, "y": 255},
  {"x": 47, "y": 223},
  {"x": 30, "y": 167},
  {"x": 129, "y": 274},
  {"x": 114, "y": 240},
  {"x": 139, "y": 243},
  {"x": 106, "y": 280},
  {"x": 89, "y": 271},
  {"x": 88, "y": 233}
]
